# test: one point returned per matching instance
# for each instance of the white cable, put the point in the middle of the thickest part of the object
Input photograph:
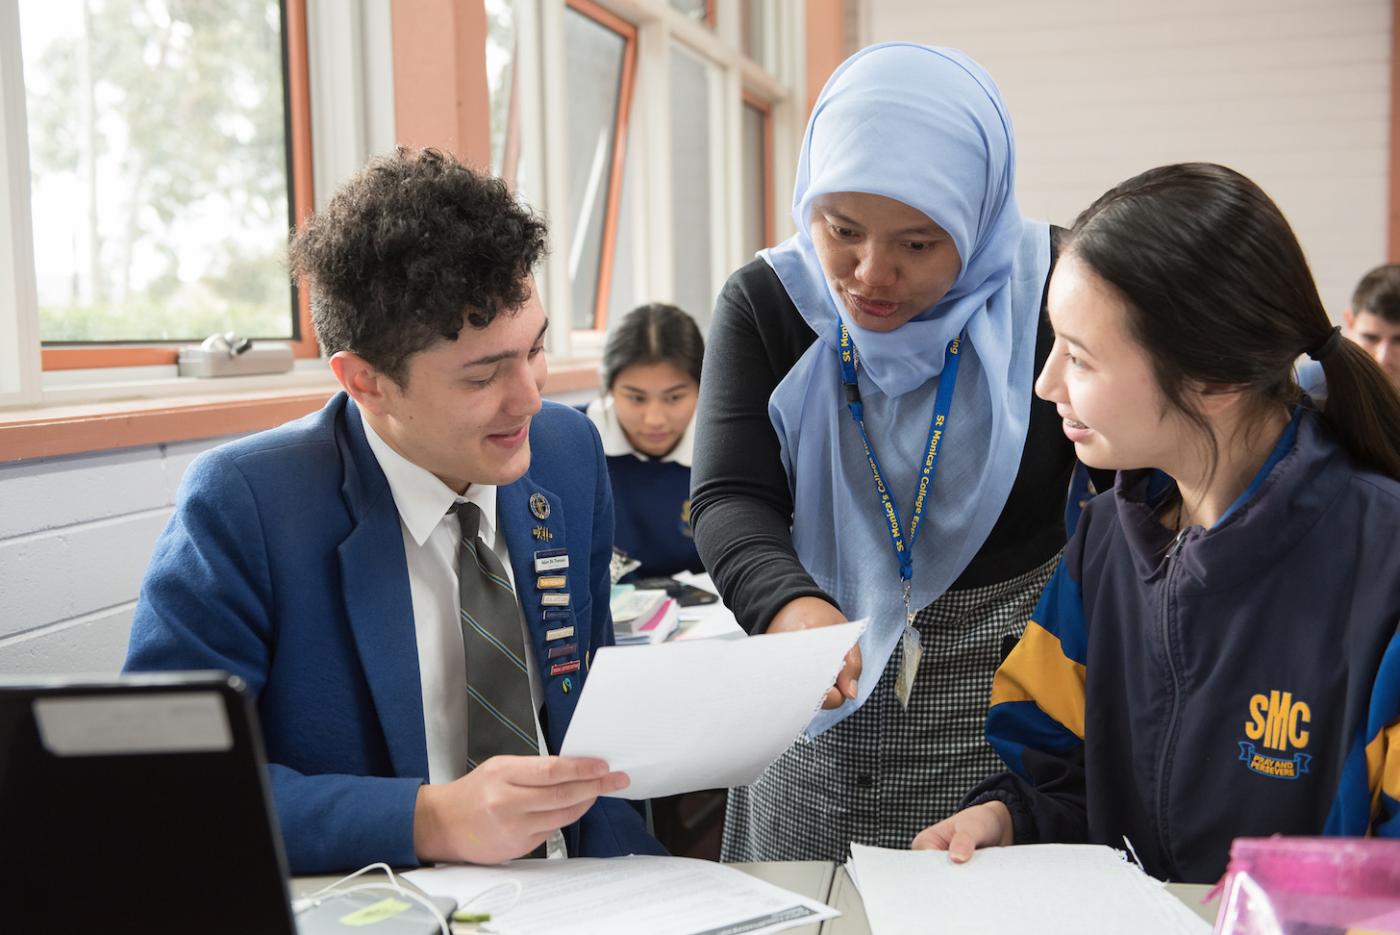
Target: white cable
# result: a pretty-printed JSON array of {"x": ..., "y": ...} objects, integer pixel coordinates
[
  {"x": 304, "y": 903},
  {"x": 496, "y": 904},
  {"x": 350, "y": 876}
]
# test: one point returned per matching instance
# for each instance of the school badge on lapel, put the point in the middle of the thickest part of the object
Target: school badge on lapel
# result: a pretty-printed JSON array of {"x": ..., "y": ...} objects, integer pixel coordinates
[
  {"x": 539, "y": 509},
  {"x": 539, "y": 506}
]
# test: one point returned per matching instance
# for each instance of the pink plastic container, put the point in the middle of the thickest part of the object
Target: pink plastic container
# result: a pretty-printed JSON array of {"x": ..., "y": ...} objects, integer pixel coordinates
[{"x": 1311, "y": 886}]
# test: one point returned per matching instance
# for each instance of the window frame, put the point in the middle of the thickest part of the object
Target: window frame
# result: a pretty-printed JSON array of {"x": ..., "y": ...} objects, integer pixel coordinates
[
  {"x": 61, "y": 355},
  {"x": 764, "y": 107},
  {"x": 356, "y": 104},
  {"x": 612, "y": 208},
  {"x": 643, "y": 116}
]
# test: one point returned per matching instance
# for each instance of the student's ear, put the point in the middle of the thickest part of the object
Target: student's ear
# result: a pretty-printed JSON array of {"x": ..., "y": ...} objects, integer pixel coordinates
[
  {"x": 1212, "y": 399},
  {"x": 362, "y": 382},
  {"x": 1348, "y": 319}
]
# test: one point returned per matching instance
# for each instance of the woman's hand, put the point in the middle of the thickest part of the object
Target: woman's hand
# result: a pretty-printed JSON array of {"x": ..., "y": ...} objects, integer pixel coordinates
[
  {"x": 804, "y": 613},
  {"x": 985, "y": 825}
]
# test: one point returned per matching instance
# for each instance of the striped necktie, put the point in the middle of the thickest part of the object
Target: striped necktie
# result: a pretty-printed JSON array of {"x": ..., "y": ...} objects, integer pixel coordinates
[{"x": 500, "y": 713}]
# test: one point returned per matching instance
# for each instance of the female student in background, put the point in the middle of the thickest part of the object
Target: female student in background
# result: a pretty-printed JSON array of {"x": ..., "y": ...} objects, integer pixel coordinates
[
  {"x": 911, "y": 248},
  {"x": 1217, "y": 654},
  {"x": 651, "y": 380}
]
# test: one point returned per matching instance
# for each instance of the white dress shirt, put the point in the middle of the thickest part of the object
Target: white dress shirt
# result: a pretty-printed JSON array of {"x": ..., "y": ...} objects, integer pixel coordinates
[{"x": 431, "y": 537}]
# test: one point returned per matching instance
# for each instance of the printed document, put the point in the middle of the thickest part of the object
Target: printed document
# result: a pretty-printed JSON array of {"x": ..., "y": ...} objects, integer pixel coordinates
[
  {"x": 625, "y": 896},
  {"x": 1048, "y": 889},
  {"x": 707, "y": 714}
]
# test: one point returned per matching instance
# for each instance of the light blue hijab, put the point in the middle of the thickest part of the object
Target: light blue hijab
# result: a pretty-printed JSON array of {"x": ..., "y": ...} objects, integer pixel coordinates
[{"x": 925, "y": 126}]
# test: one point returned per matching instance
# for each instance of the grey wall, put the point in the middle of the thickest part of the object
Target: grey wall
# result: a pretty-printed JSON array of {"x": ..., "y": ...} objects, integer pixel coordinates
[
  {"x": 75, "y": 535},
  {"x": 1293, "y": 93}
]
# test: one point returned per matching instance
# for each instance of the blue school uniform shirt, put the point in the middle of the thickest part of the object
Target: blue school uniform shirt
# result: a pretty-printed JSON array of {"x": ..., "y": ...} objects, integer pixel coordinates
[{"x": 651, "y": 497}]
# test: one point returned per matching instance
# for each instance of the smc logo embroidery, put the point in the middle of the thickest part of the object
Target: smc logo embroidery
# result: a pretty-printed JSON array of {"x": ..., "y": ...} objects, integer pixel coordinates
[{"x": 1278, "y": 723}]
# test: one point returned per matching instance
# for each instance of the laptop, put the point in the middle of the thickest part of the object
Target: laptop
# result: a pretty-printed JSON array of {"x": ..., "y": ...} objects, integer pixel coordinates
[
  {"x": 137, "y": 804},
  {"x": 140, "y": 803}
]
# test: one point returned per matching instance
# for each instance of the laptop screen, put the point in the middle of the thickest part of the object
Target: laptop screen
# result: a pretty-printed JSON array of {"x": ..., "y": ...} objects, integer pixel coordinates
[{"x": 137, "y": 803}]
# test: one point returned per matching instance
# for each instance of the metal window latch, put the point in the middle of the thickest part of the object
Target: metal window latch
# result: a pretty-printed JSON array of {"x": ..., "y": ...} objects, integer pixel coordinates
[{"x": 232, "y": 355}]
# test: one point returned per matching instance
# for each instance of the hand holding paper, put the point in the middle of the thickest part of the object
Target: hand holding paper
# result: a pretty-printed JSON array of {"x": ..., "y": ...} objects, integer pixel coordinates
[
  {"x": 704, "y": 715},
  {"x": 806, "y": 613}
]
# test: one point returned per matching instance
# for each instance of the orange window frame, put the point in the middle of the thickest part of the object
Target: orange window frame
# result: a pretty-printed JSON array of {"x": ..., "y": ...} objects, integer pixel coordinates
[
  {"x": 1393, "y": 227},
  {"x": 628, "y": 31},
  {"x": 764, "y": 107},
  {"x": 299, "y": 123}
]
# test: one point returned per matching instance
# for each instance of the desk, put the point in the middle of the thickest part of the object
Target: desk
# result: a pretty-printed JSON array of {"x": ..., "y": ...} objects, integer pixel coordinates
[{"x": 823, "y": 880}]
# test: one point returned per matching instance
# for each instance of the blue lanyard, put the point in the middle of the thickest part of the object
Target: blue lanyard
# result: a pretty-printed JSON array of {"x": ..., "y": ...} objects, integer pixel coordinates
[{"x": 903, "y": 551}]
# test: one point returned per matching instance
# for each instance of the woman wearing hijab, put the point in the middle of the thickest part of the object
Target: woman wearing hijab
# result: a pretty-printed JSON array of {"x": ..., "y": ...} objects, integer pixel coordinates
[{"x": 868, "y": 446}]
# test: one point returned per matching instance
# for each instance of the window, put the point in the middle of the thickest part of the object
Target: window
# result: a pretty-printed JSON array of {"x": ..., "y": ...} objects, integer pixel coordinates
[
  {"x": 693, "y": 187},
  {"x": 600, "y": 53},
  {"x": 501, "y": 84},
  {"x": 161, "y": 171},
  {"x": 702, "y": 11},
  {"x": 631, "y": 134},
  {"x": 757, "y": 171},
  {"x": 650, "y": 140},
  {"x": 754, "y": 32}
]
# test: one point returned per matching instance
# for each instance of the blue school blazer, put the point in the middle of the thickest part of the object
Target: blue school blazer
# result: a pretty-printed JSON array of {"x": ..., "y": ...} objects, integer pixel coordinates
[{"x": 283, "y": 564}]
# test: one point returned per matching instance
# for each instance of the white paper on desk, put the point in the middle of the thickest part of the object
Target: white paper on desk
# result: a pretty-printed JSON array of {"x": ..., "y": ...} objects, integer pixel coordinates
[
  {"x": 1043, "y": 888},
  {"x": 628, "y": 896},
  {"x": 707, "y": 714}
]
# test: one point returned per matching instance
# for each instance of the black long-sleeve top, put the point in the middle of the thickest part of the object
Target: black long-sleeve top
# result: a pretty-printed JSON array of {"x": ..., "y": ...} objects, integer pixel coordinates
[{"x": 741, "y": 504}]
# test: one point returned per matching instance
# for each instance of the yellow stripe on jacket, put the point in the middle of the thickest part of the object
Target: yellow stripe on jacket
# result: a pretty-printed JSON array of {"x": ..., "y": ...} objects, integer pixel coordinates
[
  {"x": 1383, "y": 766},
  {"x": 1038, "y": 671}
]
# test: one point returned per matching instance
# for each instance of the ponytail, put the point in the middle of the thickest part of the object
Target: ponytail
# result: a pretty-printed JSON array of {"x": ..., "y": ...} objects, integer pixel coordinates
[{"x": 1362, "y": 407}]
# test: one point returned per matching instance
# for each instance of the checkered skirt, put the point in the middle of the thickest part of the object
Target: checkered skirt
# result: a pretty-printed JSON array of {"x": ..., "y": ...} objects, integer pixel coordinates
[{"x": 885, "y": 773}]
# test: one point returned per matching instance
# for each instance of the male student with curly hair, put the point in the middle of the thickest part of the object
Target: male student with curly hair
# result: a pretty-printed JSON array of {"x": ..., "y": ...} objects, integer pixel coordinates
[{"x": 413, "y": 580}]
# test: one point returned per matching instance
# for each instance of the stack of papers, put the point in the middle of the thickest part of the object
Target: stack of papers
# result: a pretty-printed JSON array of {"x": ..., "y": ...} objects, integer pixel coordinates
[
  {"x": 677, "y": 717},
  {"x": 626, "y": 896},
  {"x": 1044, "y": 888},
  {"x": 655, "y": 627},
  {"x": 706, "y": 621},
  {"x": 628, "y": 604}
]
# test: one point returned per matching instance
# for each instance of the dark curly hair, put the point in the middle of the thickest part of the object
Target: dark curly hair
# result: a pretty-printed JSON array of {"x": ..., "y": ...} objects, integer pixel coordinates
[{"x": 410, "y": 249}]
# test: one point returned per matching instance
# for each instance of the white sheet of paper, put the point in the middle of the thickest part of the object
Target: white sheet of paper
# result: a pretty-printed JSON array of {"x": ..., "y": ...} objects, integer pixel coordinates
[
  {"x": 1048, "y": 889},
  {"x": 627, "y": 896},
  {"x": 707, "y": 714}
]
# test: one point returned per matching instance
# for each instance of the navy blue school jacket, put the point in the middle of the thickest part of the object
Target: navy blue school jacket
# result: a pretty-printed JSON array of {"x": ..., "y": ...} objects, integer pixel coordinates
[
  {"x": 284, "y": 564},
  {"x": 1238, "y": 681},
  {"x": 651, "y": 498}
]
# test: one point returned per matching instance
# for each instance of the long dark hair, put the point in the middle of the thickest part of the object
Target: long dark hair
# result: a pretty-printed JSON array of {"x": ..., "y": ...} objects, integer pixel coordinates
[
  {"x": 1219, "y": 293},
  {"x": 650, "y": 334}
]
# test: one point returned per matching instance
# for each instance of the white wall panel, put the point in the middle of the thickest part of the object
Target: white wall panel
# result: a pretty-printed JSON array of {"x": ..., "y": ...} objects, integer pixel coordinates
[
  {"x": 76, "y": 534},
  {"x": 92, "y": 644},
  {"x": 51, "y": 577},
  {"x": 57, "y": 492},
  {"x": 1293, "y": 93}
]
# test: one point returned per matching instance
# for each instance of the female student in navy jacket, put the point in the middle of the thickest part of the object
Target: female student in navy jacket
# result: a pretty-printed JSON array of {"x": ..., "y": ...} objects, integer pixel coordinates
[
  {"x": 1217, "y": 654},
  {"x": 651, "y": 381}
]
